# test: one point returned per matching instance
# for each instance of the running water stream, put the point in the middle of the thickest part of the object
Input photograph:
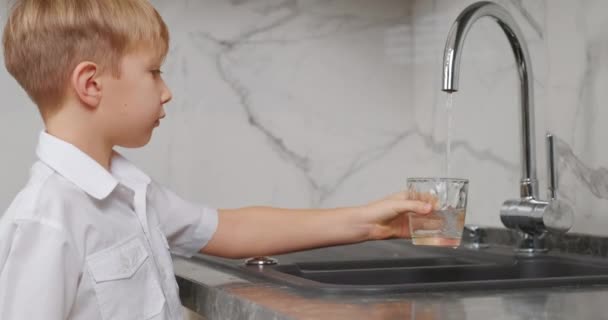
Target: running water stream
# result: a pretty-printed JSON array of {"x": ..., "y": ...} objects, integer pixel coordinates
[{"x": 448, "y": 144}]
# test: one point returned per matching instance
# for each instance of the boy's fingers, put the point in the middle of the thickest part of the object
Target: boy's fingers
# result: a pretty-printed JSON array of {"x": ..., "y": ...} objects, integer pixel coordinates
[
  {"x": 412, "y": 195},
  {"x": 414, "y": 206},
  {"x": 421, "y": 196}
]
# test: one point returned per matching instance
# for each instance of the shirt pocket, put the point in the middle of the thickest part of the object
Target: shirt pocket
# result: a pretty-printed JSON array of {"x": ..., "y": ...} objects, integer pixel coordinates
[{"x": 125, "y": 282}]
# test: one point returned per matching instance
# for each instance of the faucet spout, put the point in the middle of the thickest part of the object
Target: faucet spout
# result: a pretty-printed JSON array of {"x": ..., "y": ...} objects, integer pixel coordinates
[{"x": 451, "y": 72}]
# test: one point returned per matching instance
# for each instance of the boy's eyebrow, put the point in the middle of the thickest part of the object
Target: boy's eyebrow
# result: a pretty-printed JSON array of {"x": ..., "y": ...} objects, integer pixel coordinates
[
  {"x": 156, "y": 60},
  {"x": 153, "y": 60}
]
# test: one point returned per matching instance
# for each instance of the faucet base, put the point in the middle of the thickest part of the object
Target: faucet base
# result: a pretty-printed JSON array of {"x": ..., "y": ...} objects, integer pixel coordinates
[{"x": 532, "y": 244}]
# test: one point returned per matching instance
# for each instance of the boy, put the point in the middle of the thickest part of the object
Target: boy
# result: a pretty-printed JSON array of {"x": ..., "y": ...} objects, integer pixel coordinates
[{"x": 89, "y": 235}]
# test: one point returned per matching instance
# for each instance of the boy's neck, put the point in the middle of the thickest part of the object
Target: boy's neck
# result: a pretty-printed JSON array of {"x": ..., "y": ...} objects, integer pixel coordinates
[{"x": 87, "y": 141}]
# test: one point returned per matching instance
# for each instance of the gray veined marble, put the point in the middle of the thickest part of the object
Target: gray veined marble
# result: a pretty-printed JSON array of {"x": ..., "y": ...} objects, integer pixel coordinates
[
  {"x": 594, "y": 179},
  {"x": 529, "y": 17}
]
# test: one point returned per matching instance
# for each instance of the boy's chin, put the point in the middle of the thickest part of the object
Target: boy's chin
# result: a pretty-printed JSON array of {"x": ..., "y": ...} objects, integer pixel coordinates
[{"x": 136, "y": 142}]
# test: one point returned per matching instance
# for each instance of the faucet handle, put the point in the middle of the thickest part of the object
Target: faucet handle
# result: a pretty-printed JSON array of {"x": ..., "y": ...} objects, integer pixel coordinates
[
  {"x": 551, "y": 166},
  {"x": 559, "y": 215}
]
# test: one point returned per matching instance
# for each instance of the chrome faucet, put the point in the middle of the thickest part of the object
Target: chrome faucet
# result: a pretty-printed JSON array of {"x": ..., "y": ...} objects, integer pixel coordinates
[{"x": 533, "y": 217}]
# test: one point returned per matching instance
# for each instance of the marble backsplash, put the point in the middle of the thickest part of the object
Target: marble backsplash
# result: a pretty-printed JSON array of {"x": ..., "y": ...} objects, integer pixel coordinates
[{"x": 321, "y": 103}]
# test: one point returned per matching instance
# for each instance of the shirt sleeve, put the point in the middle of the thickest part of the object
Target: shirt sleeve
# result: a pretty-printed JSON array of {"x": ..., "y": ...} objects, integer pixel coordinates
[
  {"x": 38, "y": 272},
  {"x": 187, "y": 226}
]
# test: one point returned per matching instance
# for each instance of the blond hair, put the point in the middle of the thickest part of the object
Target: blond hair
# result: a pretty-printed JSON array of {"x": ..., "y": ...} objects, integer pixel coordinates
[{"x": 44, "y": 40}]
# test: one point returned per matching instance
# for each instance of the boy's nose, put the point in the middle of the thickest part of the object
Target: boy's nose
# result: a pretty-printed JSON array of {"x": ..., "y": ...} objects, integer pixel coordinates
[{"x": 167, "y": 95}]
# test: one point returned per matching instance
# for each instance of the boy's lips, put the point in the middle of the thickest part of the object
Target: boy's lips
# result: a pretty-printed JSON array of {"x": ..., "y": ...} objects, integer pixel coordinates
[{"x": 157, "y": 123}]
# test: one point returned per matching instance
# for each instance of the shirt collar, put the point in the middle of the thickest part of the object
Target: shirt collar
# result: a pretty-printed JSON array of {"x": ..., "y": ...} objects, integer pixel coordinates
[
  {"x": 83, "y": 171},
  {"x": 127, "y": 173}
]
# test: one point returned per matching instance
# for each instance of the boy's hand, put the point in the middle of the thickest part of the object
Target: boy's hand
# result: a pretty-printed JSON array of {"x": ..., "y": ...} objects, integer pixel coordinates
[{"x": 388, "y": 217}]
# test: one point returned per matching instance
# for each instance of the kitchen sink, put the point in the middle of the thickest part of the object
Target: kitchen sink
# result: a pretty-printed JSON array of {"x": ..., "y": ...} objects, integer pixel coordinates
[{"x": 445, "y": 270}]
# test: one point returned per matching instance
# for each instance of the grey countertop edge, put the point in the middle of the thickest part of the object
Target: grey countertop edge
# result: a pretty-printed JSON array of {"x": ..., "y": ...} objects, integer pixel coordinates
[{"x": 205, "y": 291}]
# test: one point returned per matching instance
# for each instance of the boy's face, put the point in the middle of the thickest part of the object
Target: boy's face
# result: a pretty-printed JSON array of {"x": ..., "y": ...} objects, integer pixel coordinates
[{"x": 133, "y": 103}]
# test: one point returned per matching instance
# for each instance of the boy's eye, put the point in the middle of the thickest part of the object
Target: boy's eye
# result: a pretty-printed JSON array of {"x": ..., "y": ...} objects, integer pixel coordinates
[{"x": 157, "y": 72}]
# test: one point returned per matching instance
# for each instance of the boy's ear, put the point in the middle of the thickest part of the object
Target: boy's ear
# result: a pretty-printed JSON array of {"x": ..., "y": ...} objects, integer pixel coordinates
[{"x": 86, "y": 84}]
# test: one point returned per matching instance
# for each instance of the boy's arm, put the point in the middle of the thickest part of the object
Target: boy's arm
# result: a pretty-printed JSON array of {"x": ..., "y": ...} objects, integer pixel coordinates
[
  {"x": 258, "y": 231},
  {"x": 38, "y": 273}
]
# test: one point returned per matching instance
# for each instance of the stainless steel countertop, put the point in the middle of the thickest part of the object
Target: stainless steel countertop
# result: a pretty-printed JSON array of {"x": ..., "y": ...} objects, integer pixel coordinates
[{"x": 218, "y": 294}]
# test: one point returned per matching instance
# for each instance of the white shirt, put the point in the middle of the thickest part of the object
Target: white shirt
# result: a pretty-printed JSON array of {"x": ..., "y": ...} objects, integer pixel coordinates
[{"x": 79, "y": 242}]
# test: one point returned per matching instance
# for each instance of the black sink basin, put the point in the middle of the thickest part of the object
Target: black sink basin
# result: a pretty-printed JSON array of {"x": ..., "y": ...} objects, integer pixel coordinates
[{"x": 377, "y": 273}]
